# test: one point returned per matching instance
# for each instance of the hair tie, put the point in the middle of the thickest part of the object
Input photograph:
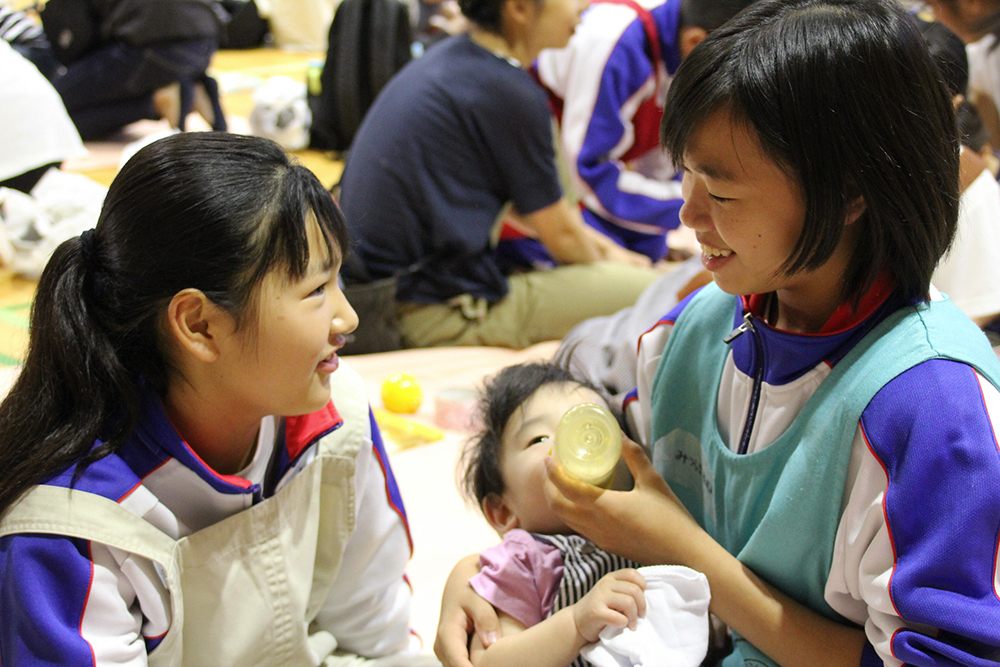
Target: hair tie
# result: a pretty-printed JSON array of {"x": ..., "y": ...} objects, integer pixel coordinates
[{"x": 87, "y": 250}]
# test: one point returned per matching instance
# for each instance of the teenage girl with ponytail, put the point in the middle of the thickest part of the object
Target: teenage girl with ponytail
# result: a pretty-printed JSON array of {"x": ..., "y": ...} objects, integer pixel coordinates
[{"x": 176, "y": 484}]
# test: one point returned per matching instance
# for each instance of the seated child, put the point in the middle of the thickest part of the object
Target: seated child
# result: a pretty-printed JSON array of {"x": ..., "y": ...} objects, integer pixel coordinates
[{"x": 553, "y": 590}]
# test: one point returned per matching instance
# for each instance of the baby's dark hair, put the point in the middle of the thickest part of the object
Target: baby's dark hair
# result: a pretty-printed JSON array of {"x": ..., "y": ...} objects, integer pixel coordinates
[{"x": 503, "y": 394}]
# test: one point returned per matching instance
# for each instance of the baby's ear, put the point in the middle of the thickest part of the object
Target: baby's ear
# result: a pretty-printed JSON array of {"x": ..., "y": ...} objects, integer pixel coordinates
[{"x": 499, "y": 514}]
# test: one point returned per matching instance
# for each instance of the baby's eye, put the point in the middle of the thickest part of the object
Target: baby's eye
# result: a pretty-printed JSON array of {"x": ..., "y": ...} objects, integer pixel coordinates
[
  {"x": 719, "y": 199},
  {"x": 537, "y": 439},
  {"x": 318, "y": 290}
]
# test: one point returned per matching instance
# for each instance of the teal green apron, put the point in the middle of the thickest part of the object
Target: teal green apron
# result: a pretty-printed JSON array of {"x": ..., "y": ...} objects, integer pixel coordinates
[{"x": 778, "y": 509}]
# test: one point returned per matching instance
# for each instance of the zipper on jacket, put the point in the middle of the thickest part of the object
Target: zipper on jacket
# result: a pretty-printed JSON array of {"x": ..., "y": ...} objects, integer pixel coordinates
[
  {"x": 758, "y": 376},
  {"x": 272, "y": 475}
]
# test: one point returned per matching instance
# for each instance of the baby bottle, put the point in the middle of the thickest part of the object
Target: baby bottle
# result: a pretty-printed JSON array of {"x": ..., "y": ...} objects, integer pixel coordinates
[{"x": 588, "y": 443}]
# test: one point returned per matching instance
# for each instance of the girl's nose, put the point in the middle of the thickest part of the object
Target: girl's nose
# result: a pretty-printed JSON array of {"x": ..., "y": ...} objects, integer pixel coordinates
[
  {"x": 694, "y": 211},
  {"x": 345, "y": 320}
]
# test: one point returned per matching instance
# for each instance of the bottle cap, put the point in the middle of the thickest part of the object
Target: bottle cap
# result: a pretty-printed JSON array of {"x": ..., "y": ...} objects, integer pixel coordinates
[{"x": 588, "y": 443}]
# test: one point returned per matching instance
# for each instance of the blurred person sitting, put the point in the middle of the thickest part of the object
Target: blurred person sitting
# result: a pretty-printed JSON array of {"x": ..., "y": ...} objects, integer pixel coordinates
[
  {"x": 456, "y": 139},
  {"x": 144, "y": 60}
]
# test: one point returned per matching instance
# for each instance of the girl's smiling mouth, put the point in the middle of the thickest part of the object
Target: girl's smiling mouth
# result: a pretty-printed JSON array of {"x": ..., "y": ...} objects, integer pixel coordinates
[{"x": 712, "y": 251}]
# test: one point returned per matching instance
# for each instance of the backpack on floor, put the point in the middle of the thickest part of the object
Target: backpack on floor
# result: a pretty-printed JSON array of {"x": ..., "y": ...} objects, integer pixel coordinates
[
  {"x": 370, "y": 40},
  {"x": 246, "y": 29}
]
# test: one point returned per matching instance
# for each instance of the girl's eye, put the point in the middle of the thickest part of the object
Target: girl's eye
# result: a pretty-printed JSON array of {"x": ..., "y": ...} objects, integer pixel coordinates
[
  {"x": 537, "y": 439},
  {"x": 330, "y": 283},
  {"x": 721, "y": 200}
]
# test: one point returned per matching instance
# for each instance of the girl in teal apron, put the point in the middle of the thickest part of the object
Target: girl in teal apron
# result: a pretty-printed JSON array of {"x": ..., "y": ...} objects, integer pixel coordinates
[
  {"x": 188, "y": 473},
  {"x": 820, "y": 423}
]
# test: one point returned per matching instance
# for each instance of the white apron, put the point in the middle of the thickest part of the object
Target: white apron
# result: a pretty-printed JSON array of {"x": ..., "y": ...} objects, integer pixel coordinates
[{"x": 245, "y": 590}]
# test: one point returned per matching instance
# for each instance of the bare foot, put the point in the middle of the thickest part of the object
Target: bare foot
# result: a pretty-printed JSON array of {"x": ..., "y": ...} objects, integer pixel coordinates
[{"x": 167, "y": 102}]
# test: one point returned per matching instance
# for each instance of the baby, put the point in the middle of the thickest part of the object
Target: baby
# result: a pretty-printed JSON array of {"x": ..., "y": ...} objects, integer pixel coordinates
[{"x": 555, "y": 592}]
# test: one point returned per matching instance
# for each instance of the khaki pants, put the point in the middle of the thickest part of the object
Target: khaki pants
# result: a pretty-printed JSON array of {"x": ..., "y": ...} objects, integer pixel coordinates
[{"x": 540, "y": 306}]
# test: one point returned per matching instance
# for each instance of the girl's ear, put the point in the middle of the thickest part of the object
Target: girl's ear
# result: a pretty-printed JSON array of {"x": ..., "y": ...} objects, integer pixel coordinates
[
  {"x": 194, "y": 324},
  {"x": 499, "y": 514},
  {"x": 855, "y": 207}
]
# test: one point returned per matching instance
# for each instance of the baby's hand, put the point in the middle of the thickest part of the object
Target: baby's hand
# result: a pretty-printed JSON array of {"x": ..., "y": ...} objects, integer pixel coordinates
[{"x": 616, "y": 600}]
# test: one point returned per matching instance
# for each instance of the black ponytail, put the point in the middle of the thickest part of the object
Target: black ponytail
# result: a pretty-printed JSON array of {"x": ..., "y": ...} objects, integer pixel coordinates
[
  {"x": 71, "y": 374},
  {"x": 205, "y": 210}
]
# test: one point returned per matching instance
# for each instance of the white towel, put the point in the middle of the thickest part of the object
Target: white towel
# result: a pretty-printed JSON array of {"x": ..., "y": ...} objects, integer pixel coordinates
[{"x": 674, "y": 632}]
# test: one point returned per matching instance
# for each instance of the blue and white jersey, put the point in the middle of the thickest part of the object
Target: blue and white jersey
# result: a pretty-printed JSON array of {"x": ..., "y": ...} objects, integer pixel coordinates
[
  {"x": 69, "y": 601},
  {"x": 916, "y": 550},
  {"x": 611, "y": 97}
]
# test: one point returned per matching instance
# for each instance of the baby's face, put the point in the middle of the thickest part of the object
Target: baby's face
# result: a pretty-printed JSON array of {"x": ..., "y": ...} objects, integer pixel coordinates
[{"x": 527, "y": 440}]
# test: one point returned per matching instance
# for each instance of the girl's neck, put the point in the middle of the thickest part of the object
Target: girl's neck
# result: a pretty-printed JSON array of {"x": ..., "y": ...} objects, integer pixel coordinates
[
  {"x": 806, "y": 303},
  {"x": 222, "y": 438},
  {"x": 800, "y": 316},
  {"x": 508, "y": 47},
  {"x": 805, "y": 309}
]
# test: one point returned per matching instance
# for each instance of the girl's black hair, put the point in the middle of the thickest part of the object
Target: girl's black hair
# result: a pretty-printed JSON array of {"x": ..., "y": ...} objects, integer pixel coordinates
[
  {"x": 205, "y": 210},
  {"x": 503, "y": 394},
  {"x": 843, "y": 95}
]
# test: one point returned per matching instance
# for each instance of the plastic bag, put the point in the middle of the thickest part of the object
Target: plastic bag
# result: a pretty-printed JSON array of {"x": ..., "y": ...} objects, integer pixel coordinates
[
  {"x": 62, "y": 205},
  {"x": 281, "y": 113}
]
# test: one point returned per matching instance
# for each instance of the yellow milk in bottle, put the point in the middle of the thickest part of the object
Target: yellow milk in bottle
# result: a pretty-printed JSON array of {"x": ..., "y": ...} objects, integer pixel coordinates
[{"x": 588, "y": 443}]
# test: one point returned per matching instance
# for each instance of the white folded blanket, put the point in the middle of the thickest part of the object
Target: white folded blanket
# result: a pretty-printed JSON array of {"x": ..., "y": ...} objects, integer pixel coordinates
[{"x": 673, "y": 633}]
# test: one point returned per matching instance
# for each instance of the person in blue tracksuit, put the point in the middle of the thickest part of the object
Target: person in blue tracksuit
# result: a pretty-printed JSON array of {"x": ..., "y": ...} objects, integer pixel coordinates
[
  {"x": 607, "y": 87},
  {"x": 820, "y": 425},
  {"x": 188, "y": 473}
]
